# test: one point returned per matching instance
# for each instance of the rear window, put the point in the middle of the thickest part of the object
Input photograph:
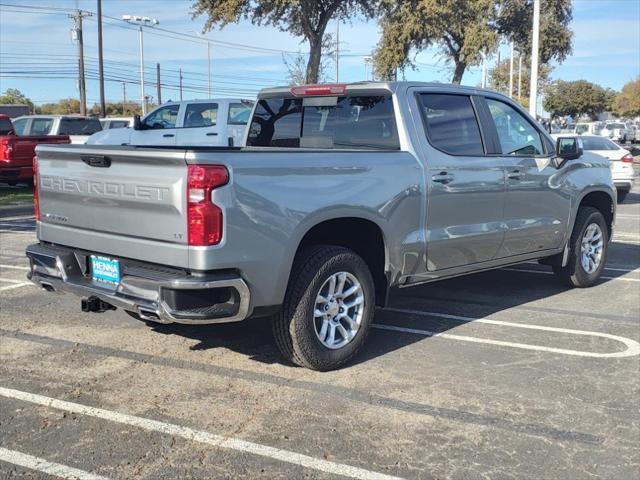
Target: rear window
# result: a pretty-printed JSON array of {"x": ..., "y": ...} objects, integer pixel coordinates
[
  {"x": 615, "y": 125},
  {"x": 118, "y": 124},
  {"x": 350, "y": 122},
  {"x": 5, "y": 126},
  {"x": 79, "y": 126},
  {"x": 597, "y": 143}
]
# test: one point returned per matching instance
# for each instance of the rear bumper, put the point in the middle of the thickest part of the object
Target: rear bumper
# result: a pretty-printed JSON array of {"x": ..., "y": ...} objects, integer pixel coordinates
[
  {"x": 623, "y": 183},
  {"x": 155, "y": 293}
]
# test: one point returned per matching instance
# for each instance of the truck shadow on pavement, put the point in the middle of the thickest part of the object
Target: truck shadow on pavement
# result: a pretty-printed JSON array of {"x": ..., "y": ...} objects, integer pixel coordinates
[{"x": 473, "y": 296}]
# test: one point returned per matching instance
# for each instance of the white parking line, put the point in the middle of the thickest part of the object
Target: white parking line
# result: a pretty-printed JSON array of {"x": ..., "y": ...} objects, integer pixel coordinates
[
  {"x": 16, "y": 285},
  {"x": 13, "y": 267},
  {"x": 633, "y": 347},
  {"x": 201, "y": 436},
  {"x": 546, "y": 272},
  {"x": 613, "y": 269},
  {"x": 41, "y": 465}
]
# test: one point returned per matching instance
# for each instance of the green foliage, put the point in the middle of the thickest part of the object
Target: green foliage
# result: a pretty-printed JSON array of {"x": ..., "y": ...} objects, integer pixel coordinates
[
  {"x": 13, "y": 96},
  {"x": 516, "y": 19},
  {"x": 302, "y": 18},
  {"x": 627, "y": 102},
  {"x": 63, "y": 107},
  {"x": 463, "y": 30},
  {"x": 576, "y": 98}
]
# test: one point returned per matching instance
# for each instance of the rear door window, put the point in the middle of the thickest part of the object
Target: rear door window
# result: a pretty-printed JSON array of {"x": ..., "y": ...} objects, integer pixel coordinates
[
  {"x": 79, "y": 126},
  {"x": 201, "y": 115},
  {"x": 451, "y": 123},
  {"x": 118, "y": 124},
  {"x": 348, "y": 122}
]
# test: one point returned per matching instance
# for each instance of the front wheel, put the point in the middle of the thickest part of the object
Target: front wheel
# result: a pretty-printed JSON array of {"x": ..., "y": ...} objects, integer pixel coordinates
[
  {"x": 587, "y": 249},
  {"x": 328, "y": 308}
]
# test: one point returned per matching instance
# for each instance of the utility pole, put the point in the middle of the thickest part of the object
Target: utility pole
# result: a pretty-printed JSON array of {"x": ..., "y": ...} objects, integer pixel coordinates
[
  {"x": 511, "y": 72},
  {"x": 533, "y": 82},
  {"x": 180, "y": 70},
  {"x": 519, "y": 75},
  {"x": 77, "y": 28},
  {"x": 103, "y": 108},
  {"x": 338, "y": 49},
  {"x": 484, "y": 70},
  {"x": 158, "y": 88},
  {"x": 124, "y": 97}
]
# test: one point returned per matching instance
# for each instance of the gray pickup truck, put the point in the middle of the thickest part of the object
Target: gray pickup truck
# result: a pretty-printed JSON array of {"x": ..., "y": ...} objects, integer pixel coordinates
[{"x": 341, "y": 193}]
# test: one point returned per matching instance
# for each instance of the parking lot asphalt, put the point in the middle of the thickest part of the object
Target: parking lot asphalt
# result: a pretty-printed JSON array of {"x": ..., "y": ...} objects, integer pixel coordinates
[{"x": 503, "y": 374}]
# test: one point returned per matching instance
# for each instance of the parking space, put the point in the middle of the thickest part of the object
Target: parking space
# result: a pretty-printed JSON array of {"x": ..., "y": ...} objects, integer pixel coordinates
[{"x": 502, "y": 374}]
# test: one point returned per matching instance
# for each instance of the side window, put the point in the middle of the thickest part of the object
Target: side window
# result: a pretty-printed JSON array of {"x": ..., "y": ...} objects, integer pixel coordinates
[
  {"x": 118, "y": 124},
  {"x": 19, "y": 126},
  {"x": 164, "y": 117},
  {"x": 79, "y": 126},
  {"x": 516, "y": 134},
  {"x": 239, "y": 113},
  {"x": 41, "y": 126},
  {"x": 201, "y": 115},
  {"x": 451, "y": 124}
]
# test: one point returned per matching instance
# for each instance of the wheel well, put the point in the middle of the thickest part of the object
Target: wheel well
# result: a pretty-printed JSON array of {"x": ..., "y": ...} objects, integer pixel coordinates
[
  {"x": 602, "y": 202},
  {"x": 363, "y": 237}
]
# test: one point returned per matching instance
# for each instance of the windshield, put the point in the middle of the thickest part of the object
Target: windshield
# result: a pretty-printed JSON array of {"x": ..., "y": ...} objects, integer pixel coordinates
[
  {"x": 362, "y": 122},
  {"x": 239, "y": 113}
]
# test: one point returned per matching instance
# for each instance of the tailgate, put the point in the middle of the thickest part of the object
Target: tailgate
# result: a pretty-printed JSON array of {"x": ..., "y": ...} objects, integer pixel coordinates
[{"x": 115, "y": 200}]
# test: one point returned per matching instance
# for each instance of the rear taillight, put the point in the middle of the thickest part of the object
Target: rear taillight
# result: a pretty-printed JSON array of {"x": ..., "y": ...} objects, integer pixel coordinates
[
  {"x": 628, "y": 158},
  {"x": 6, "y": 148},
  {"x": 204, "y": 218},
  {"x": 36, "y": 195}
]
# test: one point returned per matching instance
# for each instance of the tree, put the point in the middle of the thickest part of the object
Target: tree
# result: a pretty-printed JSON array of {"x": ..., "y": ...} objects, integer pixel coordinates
[
  {"x": 461, "y": 29},
  {"x": 464, "y": 30},
  {"x": 627, "y": 102},
  {"x": 576, "y": 98},
  {"x": 297, "y": 66},
  {"x": 63, "y": 107},
  {"x": 302, "y": 18},
  {"x": 516, "y": 18},
  {"x": 13, "y": 96},
  {"x": 499, "y": 79}
]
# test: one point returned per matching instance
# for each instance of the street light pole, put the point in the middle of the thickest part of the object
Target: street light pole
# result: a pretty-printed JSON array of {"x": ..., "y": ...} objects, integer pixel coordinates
[
  {"x": 141, "y": 21},
  {"x": 209, "y": 67},
  {"x": 533, "y": 83},
  {"x": 142, "y": 100}
]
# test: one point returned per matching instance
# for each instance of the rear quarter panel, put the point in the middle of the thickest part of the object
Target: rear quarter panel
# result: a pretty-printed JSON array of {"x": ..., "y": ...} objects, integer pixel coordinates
[{"x": 276, "y": 196}]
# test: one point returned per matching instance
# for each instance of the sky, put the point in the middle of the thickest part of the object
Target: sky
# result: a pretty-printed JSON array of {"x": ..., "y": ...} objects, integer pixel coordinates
[{"x": 39, "y": 57}]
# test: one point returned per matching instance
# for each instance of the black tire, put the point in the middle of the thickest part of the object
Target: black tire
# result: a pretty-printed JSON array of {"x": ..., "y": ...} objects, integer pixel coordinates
[
  {"x": 622, "y": 194},
  {"x": 294, "y": 326},
  {"x": 574, "y": 274}
]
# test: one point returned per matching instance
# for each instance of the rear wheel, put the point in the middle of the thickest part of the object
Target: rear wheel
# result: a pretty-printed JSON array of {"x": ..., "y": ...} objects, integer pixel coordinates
[
  {"x": 587, "y": 250},
  {"x": 622, "y": 194},
  {"x": 328, "y": 308}
]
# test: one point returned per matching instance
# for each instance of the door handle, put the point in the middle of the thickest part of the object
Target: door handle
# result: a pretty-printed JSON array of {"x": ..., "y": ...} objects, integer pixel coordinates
[
  {"x": 515, "y": 175},
  {"x": 168, "y": 135},
  {"x": 212, "y": 134},
  {"x": 442, "y": 177}
]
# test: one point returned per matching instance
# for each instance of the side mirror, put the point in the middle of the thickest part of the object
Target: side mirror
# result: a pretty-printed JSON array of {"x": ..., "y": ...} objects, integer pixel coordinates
[
  {"x": 137, "y": 123},
  {"x": 569, "y": 148}
]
